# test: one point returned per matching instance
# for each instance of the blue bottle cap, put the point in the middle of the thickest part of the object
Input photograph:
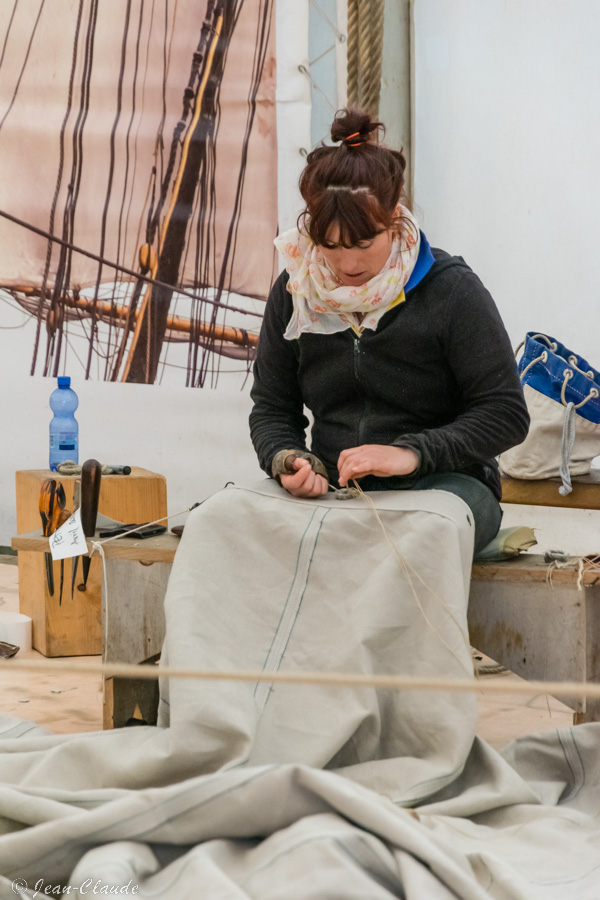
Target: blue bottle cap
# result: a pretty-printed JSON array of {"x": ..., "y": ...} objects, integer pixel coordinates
[{"x": 64, "y": 381}]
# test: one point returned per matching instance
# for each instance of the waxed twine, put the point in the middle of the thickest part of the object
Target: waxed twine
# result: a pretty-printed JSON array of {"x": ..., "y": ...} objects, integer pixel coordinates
[{"x": 407, "y": 568}]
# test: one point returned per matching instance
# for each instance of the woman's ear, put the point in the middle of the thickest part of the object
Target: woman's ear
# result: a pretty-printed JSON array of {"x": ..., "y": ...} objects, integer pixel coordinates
[{"x": 397, "y": 218}]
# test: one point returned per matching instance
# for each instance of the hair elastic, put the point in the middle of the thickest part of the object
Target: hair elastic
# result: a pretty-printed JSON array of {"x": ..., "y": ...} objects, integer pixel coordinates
[
  {"x": 346, "y": 187},
  {"x": 356, "y": 134}
]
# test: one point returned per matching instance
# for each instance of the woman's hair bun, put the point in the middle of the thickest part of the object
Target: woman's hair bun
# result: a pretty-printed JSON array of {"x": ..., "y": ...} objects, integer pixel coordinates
[
  {"x": 355, "y": 124},
  {"x": 355, "y": 185}
]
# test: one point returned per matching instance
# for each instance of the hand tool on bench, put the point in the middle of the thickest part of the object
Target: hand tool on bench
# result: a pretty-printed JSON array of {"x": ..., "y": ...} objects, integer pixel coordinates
[
  {"x": 53, "y": 515},
  {"x": 76, "y": 506},
  {"x": 59, "y": 517},
  {"x": 65, "y": 514},
  {"x": 7, "y": 650},
  {"x": 91, "y": 476},
  {"x": 74, "y": 565},
  {"x": 46, "y": 508},
  {"x": 133, "y": 530}
]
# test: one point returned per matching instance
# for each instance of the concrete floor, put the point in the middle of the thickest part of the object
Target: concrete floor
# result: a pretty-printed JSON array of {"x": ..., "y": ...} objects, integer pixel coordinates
[{"x": 66, "y": 703}]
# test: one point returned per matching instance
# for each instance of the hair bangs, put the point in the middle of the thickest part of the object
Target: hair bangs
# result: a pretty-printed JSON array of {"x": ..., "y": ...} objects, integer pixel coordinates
[{"x": 356, "y": 214}]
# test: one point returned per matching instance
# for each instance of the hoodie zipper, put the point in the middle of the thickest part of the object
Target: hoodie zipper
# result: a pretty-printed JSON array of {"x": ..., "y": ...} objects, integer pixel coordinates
[{"x": 361, "y": 420}]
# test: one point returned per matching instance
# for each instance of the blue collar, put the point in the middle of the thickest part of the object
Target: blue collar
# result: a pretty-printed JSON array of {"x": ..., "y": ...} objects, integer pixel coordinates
[{"x": 423, "y": 264}]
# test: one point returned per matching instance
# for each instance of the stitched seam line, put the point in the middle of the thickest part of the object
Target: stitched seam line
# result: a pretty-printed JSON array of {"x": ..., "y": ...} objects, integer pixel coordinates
[{"x": 292, "y": 604}]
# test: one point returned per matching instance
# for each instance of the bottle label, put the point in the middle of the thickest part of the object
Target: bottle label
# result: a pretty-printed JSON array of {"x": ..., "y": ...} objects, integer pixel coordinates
[{"x": 63, "y": 440}]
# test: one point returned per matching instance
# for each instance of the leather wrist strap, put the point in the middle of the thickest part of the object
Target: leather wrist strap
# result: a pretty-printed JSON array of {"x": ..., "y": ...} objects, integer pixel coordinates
[{"x": 283, "y": 463}]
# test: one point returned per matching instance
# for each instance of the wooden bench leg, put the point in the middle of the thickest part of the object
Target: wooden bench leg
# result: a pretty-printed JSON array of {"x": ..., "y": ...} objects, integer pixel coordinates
[
  {"x": 591, "y": 714},
  {"x": 128, "y": 698},
  {"x": 591, "y": 600},
  {"x": 133, "y": 632}
]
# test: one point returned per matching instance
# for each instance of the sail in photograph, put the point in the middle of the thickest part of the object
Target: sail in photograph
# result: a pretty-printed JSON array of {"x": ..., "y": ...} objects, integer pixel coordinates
[{"x": 138, "y": 200}]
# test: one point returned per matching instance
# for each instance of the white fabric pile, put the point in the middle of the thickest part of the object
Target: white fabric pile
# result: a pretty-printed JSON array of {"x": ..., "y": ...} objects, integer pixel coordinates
[{"x": 281, "y": 791}]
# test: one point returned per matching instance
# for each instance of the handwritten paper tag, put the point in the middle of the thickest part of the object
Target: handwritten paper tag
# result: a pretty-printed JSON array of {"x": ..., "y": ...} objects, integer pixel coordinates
[{"x": 69, "y": 539}]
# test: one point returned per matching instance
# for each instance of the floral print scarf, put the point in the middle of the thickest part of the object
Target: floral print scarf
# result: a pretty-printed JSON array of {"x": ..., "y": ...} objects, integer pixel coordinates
[{"x": 322, "y": 305}]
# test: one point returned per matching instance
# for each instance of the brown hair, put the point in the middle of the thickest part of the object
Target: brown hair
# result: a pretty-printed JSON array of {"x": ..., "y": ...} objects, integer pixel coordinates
[{"x": 356, "y": 185}]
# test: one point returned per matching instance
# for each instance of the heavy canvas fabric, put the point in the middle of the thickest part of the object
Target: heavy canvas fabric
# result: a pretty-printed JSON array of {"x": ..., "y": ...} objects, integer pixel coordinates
[{"x": 273, "y": 791}]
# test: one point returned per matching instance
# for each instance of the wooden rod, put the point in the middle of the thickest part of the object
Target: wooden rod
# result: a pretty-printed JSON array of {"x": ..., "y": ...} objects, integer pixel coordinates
[
  {"x": 174, "y": 323},
  {"x": 334, "y": 679}
]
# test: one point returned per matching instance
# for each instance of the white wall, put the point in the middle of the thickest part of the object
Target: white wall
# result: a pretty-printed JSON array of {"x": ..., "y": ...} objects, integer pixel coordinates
[
  {"x": 197, "y": 438},
  {"x": 507, "y": 153}
]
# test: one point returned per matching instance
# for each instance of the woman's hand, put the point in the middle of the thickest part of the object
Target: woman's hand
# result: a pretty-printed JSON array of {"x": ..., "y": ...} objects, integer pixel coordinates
[
  {"x": 305, "y": 483},
  {"x": 375, "y": 459}
]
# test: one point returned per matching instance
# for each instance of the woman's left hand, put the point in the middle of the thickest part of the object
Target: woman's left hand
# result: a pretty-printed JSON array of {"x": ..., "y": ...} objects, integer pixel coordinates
[{"x": 375, "y": 459}]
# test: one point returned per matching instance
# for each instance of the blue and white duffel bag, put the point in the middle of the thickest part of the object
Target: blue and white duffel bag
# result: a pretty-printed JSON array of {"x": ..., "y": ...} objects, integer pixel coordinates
[{"x": 562, "y": 392}]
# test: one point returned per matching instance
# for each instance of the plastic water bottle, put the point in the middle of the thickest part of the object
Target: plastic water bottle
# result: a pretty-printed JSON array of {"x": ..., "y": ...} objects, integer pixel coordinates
[{"x": 64, "y": 430}]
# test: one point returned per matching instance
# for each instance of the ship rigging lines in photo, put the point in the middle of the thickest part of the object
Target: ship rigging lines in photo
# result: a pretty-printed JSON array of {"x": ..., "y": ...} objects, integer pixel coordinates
[{"x": 138, "y": 157}]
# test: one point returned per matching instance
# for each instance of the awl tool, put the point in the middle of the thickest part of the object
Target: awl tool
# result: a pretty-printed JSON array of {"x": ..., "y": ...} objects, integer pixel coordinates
[
  {"x": 46, "y": 504},
  {"x": 91, "y": 476},
  {"x": 65, "y": 515},
  {"x": 53, "y": 515}
]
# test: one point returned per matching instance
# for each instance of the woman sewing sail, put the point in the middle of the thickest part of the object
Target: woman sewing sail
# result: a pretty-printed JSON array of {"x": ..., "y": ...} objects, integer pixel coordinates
[{"x": 397, "y": 349}]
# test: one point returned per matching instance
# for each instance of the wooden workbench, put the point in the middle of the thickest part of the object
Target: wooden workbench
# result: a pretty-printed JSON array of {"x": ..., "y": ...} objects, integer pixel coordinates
[
  {"x": 544, "y": 492},
  {"x": 541, "y": 622},
  {"x": 71, "y": 626},
  {"x": 532, "y": 619},
  {"x": 133, "y": 622}
]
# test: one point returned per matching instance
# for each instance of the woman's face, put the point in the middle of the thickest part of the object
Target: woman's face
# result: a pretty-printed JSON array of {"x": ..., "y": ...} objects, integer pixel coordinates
[{"x": 356, "y": 265}]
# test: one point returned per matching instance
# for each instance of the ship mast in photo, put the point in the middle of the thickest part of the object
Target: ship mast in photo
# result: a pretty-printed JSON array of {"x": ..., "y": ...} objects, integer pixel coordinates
[{"x": 139, "y": 197}]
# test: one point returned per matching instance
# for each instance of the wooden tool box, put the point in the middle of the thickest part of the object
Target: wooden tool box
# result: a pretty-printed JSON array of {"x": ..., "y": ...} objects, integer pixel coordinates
[{"x": 72, "y": 627}]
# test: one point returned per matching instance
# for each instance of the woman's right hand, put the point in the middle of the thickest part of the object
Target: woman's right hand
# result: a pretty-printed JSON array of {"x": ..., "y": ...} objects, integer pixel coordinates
[{"x": 304, "y": 483}]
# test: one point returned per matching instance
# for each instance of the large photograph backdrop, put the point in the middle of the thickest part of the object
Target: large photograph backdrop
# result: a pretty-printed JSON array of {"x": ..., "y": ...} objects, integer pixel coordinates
[{"x": 143, "y": 132}]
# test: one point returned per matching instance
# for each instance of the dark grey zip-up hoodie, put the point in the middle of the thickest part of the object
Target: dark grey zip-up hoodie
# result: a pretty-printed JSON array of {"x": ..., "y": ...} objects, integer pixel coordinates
[{"x": 438, "y": 375}]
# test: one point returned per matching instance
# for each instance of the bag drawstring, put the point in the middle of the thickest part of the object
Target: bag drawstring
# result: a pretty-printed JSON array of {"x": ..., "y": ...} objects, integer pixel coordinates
[
  {"x": 568, "y": 439},
  {"x": 568, "y": 435},
  {"x": 572, "y": 360},
  {"x": 543, "y": 357}
]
